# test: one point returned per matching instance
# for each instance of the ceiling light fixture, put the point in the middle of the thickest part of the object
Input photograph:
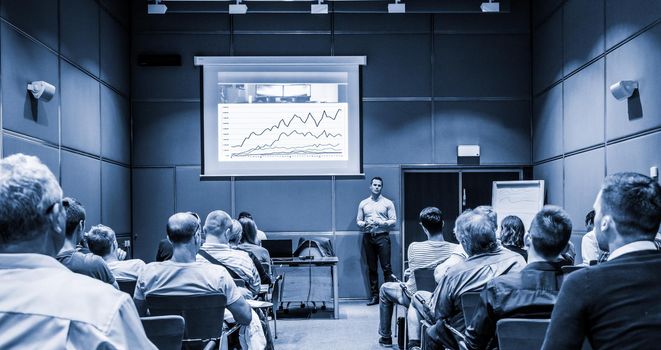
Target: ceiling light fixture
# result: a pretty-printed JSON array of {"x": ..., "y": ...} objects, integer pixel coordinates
[
  {"x": 490, "y": 6},
  {"x": 319, "y": 9},
  {"x": 396, "y": 7},
  {"x": 238, "y": 8},
  {"x": 156, "y": 8}
]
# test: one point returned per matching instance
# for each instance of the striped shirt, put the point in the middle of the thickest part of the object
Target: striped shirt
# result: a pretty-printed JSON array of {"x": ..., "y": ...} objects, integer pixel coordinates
[
  {"x": 239, "y": 261},
  {"x": 426, "y": 255}
]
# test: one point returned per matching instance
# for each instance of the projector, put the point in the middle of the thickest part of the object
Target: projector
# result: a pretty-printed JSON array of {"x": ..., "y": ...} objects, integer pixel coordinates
[
  {"x": 490, "y": 7},
  {"x": 156, "y": 9},
  {"x": 396, "y": 8},
  {"x": 319, "y": 9},
  {"x": 238, "y": 9}
]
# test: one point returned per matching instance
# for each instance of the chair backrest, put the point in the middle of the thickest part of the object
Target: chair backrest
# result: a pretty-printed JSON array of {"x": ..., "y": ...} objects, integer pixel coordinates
[
  {"x": 204, "y": 313},
  {"x": 267, "y": 267},
  {"x": 520, "y": 333},
  {"x": 469, "y": 302},
  {"x": 166, "y": 332},
  {"x": 424, "y": 279},
  {"x": 127, "y": 286},
  {"x": 571, "y": 268}
]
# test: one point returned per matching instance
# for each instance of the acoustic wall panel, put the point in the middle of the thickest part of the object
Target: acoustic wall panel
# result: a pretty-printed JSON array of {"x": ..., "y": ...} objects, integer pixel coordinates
[
  {"x": 584, "y": 173},
  {"x": 547, "y": 53},
  {"x": 350, "y": 191},
  {"x": 396, "y": 132},
  {"x": 153, "y": 204},
  {"x": 160, "y": 82},
  {"x": 370, "y": 23},
  {"x": 638, "y": 60},
  {"x": 282, "y": 44},
  {"x": 142, "y": 22},
  {"x": 286, "y": 204},
  {"x": 501, "y": 128},
  {"x": 551, "y": 173},
  {"x": 636, "y": 155},
  {"x": 116, "y": 126},
  {"x": 81, "y": 124},
  {"x": 515, "y": 21},
  {"x": 81, "y": 179},
  {"x": 543, "y": 9},
  {"x": 202, "y": 197},
  {"x": 624, "y": 18},
  {"x": 547, "y": 125},
  {"x": 24, "y": 61},
  {"x": 80, "y": 33},
  {"x": 283, "y": 22},
  {"x": 397, "y": 64},
  {"x": 114, "y": 53},
  {"x": 166, "y": 133},
  {"x": 495, "y": 60},
  {"x": 583, "y": 27},
  {"x": 120, "y": 9},
  {"x": 584, "y": 108},
  {"x": 47, "y": 154},
  {"x": 116, "y": 197},
  {"x": 37, "y": 18}
]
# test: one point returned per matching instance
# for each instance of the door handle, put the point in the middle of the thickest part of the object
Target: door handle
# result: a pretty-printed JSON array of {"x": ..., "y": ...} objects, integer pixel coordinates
[{"x": 463, "y": 198}]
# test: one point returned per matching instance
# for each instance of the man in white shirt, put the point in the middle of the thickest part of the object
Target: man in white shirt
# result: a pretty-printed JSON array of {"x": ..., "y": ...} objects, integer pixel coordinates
[
  {"x": 44, "y": 305},
  {"x": 102, "y": 241}
]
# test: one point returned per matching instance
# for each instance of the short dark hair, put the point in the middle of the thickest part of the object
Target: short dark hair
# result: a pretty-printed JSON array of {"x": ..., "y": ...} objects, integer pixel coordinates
[
  {"x": 431, "y": 218},
  {"x": 377, "y": 178},
  {"x": 634, "y": 202},
  {"x": 589, "y": 219},
  {"x": 512, "y": 231},
  {"x": 244, "y": 214},
  {"x": 100, "y": 239},
  {"x": 75, "y": 214},
  {"x": 183, "y": 232},
  {"x": 550, "y": 231},
  {"x": 249, "y": 234},
  {"x": 476, "y": 232}
]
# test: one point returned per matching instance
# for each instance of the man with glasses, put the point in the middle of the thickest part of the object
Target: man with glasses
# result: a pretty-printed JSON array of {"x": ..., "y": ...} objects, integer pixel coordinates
[
  {"x": 87, "y": 264},
  {"x": 44, "y": 304}
]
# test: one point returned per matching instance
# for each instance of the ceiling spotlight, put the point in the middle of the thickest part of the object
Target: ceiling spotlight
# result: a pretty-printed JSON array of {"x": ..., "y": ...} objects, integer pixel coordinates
[
  {"x": 396, "y": 7},
  {"x": 490, "y": 6},
  {"x": 156, "y": 8},
  {"x": 319, "y": 9},
  {"x": 623, "y": 89},
  {"x": 238, "y": 8}
]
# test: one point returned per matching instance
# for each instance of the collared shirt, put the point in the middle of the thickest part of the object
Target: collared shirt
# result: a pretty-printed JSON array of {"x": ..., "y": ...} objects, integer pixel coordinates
[
  {"x": 46, "y": 306},
  {"x": 86, "y": 264},
  {"x": 126, "y": 269},
  {"x": 632, "y": 247},
  {"x": 237, "y": 260},
  {"x": 381, "y": 210},
  {"x": 590, "y": 248}
]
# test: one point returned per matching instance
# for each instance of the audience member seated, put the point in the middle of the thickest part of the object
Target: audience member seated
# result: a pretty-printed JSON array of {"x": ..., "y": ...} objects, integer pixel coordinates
[
  {"x": 249, "y": 240},
  {"x": 86, "y": 264},
  {"x": 421, "y": 255},
  {"x": 164, "y": 251},
  {"x": 216, "y": 250},
  {"x": 183, "y": 275},
  {"x": 530, "y": 293},
  {"x": 616, "y": 304},
  {"x": 589, "y": 248},
  {"x": 235, "y": 239},
  {"x": 486, "y": 259},
  {"x": 511, "y": 235},
  {"x": 261, "y": 236},
  {"x": 103, "y": 242},
  {"x": 44, "y": 305}
]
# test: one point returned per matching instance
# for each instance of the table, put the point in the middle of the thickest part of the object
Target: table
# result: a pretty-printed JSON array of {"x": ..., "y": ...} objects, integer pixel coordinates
[{"x": 309, "y": 280}]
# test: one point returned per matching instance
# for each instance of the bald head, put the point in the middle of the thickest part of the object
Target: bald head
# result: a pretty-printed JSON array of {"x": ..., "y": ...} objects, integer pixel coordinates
[
  {"x": 217, "y": 224},
  {"x": 181, "y": 227}
]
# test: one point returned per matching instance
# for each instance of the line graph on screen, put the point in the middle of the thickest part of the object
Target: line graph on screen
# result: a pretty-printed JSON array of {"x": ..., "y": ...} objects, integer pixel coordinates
[{"x": 282, "y": 131}]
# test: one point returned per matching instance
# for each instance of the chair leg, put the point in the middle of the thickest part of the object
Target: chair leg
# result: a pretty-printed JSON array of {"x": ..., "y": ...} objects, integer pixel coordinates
[{"x": 275, "y": 322}]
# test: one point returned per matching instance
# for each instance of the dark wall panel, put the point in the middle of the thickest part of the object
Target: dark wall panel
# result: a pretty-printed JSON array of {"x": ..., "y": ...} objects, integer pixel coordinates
[
  {"x": 158, "y": 82},
  {"x": 397, "y": 64},
  {"x": 349, "y": 192},
  {"x": 120, "y": 10},
  {"x": 502, "y": 129},
  {"x": 116, "y": 197},
  {"x": 551, "y": 173},
  {"x": 114, "y": 52},
  {"x": 37, "y": 18},
  {"x": 636, "y": 60},
  {"x": 153, "y": 203},
  {"x": 583, "y": 26},
  {"x": 198, "y": 196},
  {"x": 583, "y": 175},
  {"x": 515, "y": 21},
  {"x": 624, "y": 18},
  {"x": 547, "y": 53},
  {"x": 584, "y": 108},
  {"x": 176, "y": 22},
  {"x": 116, "y": 126},
  {"x": 636, "y": 155},
  {"x": 24, "y": 61},
  {"x": 283, "y": 22},
  {"x": 166, "y": 133},
  {"x": 542, "y": 9},
  {"x": 547, "y": 125},
  {"x": 81, "y": 124},
  {"x": 81, "y": 179},
  {"x": 381, "y": 22},
  {"x": 48, "y": 155},
  {"x": 496, "y": 61},
  {"x": 287, "y": 204},
  {"x": 80, "y": 33},
  {"x": 282, "y": 45}
]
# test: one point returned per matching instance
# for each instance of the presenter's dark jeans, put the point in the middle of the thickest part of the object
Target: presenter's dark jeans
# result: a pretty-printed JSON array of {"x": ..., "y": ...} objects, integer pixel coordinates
[{"x": 377, "y": 248}]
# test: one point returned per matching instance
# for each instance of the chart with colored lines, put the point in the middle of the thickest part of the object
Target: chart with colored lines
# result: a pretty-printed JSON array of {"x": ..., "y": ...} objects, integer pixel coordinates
[{"x": 282, "y": 131}]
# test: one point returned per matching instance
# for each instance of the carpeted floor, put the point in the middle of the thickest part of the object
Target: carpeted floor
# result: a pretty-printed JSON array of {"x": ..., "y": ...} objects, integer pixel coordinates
[{"x": 357, "y": 328}]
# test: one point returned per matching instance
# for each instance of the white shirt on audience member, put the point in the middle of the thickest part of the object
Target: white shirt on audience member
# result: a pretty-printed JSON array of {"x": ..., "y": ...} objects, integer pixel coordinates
[{"x": 126, "y": 270}]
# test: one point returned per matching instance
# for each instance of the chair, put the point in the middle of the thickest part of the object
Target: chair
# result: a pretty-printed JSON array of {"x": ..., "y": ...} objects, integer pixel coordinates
[
  {"x": 166, "y": 332},
  {"x": 273, "y": 296},
  {"x": 127, "y": 286},
  {"x": 520, "y": 333},
  {"x": 571, "y": 268},
  {"x": 469, "y": 302},
  {"x": 203, "y": 314},
  {"x": 424, "y": 279}
]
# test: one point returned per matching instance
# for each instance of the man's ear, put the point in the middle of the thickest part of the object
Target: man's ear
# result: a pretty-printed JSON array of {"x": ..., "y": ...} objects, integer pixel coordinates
[
  {"x": 57, "y": 219},
  {"x": 527, "y": 241}
]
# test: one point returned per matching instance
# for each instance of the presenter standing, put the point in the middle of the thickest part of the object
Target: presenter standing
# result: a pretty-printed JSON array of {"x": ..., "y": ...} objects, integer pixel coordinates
[{"x": 376, "y": 217}]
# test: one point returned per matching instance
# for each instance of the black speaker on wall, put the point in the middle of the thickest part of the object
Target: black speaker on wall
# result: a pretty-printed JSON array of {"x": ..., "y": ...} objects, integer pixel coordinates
[{"x": 152, "y": 60}]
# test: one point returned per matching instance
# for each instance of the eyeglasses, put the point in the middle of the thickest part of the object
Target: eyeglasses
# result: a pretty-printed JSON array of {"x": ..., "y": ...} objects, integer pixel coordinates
[{"x": 197, "y": 220}]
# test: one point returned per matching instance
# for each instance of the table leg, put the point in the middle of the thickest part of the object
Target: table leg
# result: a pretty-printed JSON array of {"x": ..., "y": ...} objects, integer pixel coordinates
[{"x": 336, "y": 294}]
